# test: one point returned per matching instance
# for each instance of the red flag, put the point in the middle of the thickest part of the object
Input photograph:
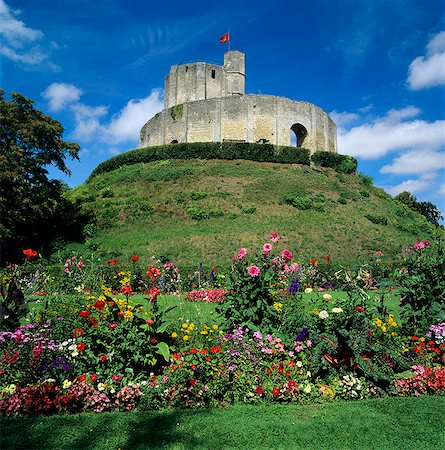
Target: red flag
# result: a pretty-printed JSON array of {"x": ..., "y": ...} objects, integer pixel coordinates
[{"x": 224, "y": 38}]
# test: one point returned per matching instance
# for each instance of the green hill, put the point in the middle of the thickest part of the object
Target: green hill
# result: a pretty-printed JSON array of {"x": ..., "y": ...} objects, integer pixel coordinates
[{"x": 193, "y": 210}]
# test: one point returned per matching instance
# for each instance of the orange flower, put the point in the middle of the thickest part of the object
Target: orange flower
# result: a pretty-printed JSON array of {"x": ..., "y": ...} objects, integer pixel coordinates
[
  {"x": 81, "y": 346},
  {"x": 215, "y": 349},
  {"x": 78, "y": 332},
  {"x": 30, "y": 254}
]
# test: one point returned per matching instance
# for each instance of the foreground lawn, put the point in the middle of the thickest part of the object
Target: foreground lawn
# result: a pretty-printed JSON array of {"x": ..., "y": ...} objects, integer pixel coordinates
[{"x": 395, "y": 423}]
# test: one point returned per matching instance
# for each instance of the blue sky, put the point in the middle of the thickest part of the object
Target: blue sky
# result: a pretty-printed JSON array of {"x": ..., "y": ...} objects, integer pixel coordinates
[{"x": 376, "y": 66}]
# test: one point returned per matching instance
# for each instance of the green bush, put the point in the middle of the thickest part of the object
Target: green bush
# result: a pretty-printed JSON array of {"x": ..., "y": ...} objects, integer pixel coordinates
[
  {"x": 206, "y": 150},
  {"x": 340, "y": 163},
  {"x": 378, "y": 220},
  {"x": 302, "y": 203}
]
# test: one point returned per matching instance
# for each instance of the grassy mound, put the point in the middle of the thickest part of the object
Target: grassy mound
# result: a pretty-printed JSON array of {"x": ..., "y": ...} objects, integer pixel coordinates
[{"x": 196, "y": 210}]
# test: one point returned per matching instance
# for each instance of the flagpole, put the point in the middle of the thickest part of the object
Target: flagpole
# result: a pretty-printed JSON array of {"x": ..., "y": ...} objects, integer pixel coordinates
[{"x": 228, "y": 41}]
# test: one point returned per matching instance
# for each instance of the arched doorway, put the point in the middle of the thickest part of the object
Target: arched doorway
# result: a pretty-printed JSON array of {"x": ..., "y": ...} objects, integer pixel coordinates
[{"x": 298, "y": 134}]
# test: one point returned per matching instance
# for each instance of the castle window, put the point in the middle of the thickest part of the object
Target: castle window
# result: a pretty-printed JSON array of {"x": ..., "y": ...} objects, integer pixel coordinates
[
  {"x": 263, "y": 141},
  {"x": 298, "y": 134},
  {"x": 174, "y": 141},
  {"x": 213, "y": 73}
]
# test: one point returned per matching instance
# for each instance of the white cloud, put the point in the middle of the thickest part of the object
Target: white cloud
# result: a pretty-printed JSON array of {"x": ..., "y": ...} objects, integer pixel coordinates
[
  {"x": 90, "y": 121},
  {"x": 391, "y": 133},
  {"x": 126, "y": 125},
  {"x": 429, "y": 71},
  {"x": 424, "y": 162},
  {"x": 412, "y": 186},
  {"x": 19, "y": 42},
  {"x": 343, "y": 118},
  {"x": 59, "y": 95}
]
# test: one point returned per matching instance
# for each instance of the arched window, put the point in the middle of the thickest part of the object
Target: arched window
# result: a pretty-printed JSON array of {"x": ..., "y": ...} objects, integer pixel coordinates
[
  {"x": 298, "y": 134},
  {"x": 174, "y": 141}
]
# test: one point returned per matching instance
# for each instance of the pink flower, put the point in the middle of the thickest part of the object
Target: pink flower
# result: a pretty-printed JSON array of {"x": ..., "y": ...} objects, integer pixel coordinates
[
  {"x": 286, "y": 255},
  {"x": 254, "y": 271},
  {"x": 294, "y": 267},
  {"x": 112, "y": 326},
  {"x": 426, "y": 243},
  {"x": 242, "y": 253},
  {"x": 274, "y": 237},
  {"x": 419, "y": 245},
  {"x": 267, "y": 248}
]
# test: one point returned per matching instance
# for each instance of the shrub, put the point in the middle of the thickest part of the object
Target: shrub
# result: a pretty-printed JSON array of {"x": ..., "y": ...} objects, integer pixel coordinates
[
  {"x": 340, "y": 163},
  {"x": 378, "y": 220},
  {"x": 206, "y": 150},
  {"x": 422, "y": 285}
]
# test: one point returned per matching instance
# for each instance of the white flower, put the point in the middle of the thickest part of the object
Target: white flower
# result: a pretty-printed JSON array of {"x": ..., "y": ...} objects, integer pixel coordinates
[
  {"x": 299, "y": 364},
  {"x": 101, "y": 386},
  {"x": 75, "y": 353},
  {"x": 66, "y": 384},
  {"x": 50, "y": 380},
  {"x": 327, "y": 296},
  {"x": 308, "y": 374},
  {"x": 337, "y": 310},
  {"x": 307, "y": 389},
  {"x": 11, "y": 388},
  {"x": 72, "y": 347},
  {"x": 323, "y": 314},
  {"x": 308, "y": 290}
]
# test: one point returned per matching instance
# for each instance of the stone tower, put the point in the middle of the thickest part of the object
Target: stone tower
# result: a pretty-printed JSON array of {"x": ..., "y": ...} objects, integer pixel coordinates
[{"x": 206, "y": 102}]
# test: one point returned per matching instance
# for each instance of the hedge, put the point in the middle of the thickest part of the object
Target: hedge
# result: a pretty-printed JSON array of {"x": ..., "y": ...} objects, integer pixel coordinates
[
  {"x": 229, "y": 151},
  {"x": 340, "y": 163}
]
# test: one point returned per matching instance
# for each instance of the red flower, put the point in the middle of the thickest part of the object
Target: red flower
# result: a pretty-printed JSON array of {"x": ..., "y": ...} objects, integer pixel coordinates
[
  {"x": 84, "y": 313},
  {"x": 78, "y": 332},
  {"x": 149, "y": 322},
  {"x": 314, "y": 262},
  {"x": 275, "y": 391},
  {"x": 153, "y": 272},
  {"x": 203, "y": 351},
  {"x": 194, "y": 350},
  {"x": 108, "y": 262},
  {"x": 93, "y": 377},
  {"x": 269, "y": 371},
  {"x": 81, "y": 346},
  {"x": 259, "y": 390},
  {"x": 93, "y": 322},
  {"x": 114, "y": 261},
  {"x": 287, "y": 374},
  {"x": 100, "y": 304},
  {"x": 154, "y": 292},
  {"x": 82, "y": 377},
  {"x": 327, "y": 258},
  {"x": 134, "y": 258},
  {"x": 30, "y": 254},
  {"x": 292, "y": 384},
  {"x": 112, "y": 326},
  {"x": 153, "y": 340},
  {"x": 176, "y": 355},
  {"x": 126, "y": 290},
  {"x": 103, "y": 358},
  {"x": 359, "y": 308},
  {"x": 192, "y": 382},
  {"x": 215, "y": 349},
  {"x": 116, "y": 377},
  {"x": 414, "y": 338}
]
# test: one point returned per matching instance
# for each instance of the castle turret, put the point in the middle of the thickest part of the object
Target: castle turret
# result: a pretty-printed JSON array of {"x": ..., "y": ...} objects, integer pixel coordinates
[{"x": 235, "y": 65}]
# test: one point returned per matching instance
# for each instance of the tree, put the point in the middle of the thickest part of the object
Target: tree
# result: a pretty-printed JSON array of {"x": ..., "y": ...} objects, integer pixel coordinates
[
  {"x": 29, "y": 201},
  {"x": 427, "y": 209}
]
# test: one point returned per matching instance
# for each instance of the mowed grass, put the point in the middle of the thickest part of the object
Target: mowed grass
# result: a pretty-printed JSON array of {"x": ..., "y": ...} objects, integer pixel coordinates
[
  {"x": 189, "y": 211},
  {"x": 390, "y": 423}
]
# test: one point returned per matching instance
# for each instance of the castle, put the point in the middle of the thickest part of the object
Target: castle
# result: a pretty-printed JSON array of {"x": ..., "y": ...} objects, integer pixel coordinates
[{"x": 207, "y": 103}]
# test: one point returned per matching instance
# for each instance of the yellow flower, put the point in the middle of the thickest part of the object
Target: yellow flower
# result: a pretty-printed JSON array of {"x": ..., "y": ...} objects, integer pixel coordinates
[
  {"x": 315, "y": 311},
  {"x": 377, "y": 321},
  {"x": 204, "y": 332},
  {"x": 191, "y": 326},
  {"x": 278, "y": 306},
  {"x": 128, "y": 314},
  {"x": 174, "y": 335},
  {"x": 422, "y": 339},
  {"x": 383, "y": 327},
  {"x": 393, "y": 334},
  {"x": 185, "y": 338},
  {"x": 184, "y": 325},
  {"x": 215, "y": 327},
  {"x": 391, "y": 321}
]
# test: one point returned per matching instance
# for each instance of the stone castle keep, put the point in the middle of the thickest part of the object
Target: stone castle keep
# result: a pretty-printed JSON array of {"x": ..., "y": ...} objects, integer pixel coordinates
[{"x": 207, "y": 103}]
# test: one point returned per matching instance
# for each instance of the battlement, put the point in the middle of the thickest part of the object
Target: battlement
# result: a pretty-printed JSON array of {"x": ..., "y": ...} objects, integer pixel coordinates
[{"x": 190, "y": 82}]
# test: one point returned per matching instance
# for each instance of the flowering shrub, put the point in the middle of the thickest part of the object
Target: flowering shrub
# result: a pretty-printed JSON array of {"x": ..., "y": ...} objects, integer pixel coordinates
[
  {"x": 422, "y": 285},
  {"x": 422, "y": 380},
  {"x": 254, "y": 285},
  {"x": 207, "y": 296}
]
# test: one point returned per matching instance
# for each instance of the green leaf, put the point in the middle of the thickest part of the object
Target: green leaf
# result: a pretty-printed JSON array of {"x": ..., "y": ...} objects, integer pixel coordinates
[{"x": 163, "y": 350}]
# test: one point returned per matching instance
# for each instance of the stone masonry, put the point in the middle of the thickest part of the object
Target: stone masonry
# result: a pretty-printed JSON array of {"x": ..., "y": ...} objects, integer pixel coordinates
[{"x": 207, "y": 103}]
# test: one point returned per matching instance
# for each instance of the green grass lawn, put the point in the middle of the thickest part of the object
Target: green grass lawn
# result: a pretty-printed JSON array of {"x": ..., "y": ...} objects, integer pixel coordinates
[{"x": 393, "y": 423}]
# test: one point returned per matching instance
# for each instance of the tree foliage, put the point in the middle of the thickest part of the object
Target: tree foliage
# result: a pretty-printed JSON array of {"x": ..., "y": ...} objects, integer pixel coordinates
[
  {"x": 32, "y": 207},
  {"x": 427, "y": 209}
]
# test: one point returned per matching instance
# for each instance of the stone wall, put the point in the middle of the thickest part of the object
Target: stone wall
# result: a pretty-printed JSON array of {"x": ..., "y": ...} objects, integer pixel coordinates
[{"x": 244, "y": 118}]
